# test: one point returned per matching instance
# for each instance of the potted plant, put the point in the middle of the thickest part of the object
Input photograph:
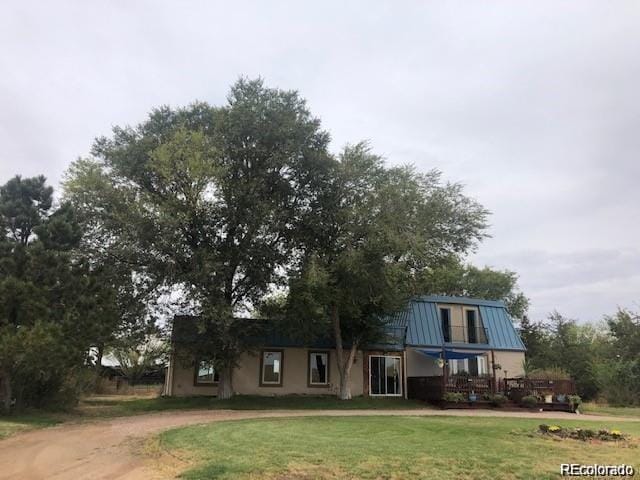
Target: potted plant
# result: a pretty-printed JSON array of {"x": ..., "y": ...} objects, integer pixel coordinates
[{"x": 473, "y": 397}]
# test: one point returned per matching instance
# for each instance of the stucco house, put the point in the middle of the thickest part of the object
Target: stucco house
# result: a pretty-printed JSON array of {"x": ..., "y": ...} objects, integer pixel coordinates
[{"x": 436, "y": 339}]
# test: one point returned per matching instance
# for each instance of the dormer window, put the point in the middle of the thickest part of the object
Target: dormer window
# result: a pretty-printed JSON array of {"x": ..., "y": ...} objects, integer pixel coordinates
[
  {"x": 445, "y": 318},
  {"x": 472, "y": 327}
]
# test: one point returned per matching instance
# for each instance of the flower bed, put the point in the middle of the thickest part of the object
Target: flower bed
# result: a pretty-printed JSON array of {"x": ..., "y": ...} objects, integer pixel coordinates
[{"x": 583, "y": 434}]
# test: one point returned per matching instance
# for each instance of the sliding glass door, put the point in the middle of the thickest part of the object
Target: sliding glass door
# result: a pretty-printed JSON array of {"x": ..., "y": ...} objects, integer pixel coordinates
[{"x": 385, "y": 377}]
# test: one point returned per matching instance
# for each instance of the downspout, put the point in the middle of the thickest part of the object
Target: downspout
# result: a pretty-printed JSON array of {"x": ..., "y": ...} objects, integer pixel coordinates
[
  {"x": 404, "y": 373},
  {"x": 493, "y": 367}
]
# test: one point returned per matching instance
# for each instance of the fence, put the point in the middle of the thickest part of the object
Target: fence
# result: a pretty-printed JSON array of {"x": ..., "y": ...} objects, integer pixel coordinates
[
  {"x": 120, "y": 386},
  {"x": 432, "y": 389},
  {"x": 516, "y": 388}
]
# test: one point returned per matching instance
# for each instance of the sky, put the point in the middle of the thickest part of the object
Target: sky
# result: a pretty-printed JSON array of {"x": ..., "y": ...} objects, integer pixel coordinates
[{"x": 533, "y": 106}]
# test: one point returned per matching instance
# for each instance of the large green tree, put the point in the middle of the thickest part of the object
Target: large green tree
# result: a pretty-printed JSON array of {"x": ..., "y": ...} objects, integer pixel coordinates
[
  {"x": 56, "y": 303},
  {"x": 205, "y": 199},
  {"x": 455, "y": 277},
  {"x": 371, "y": 232},
  {"x": 40, "y": 323}
]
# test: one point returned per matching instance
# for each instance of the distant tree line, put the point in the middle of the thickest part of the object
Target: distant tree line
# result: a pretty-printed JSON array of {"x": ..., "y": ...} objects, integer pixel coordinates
[{"x": 604, "y": 359}]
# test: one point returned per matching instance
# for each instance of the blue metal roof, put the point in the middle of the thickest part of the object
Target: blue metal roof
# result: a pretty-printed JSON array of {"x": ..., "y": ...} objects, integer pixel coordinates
[{"x": 424, "y": 328}]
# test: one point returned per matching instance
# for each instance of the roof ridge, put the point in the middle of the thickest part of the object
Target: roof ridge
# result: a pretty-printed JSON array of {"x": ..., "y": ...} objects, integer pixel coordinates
[{"x": 458, "y": 300}]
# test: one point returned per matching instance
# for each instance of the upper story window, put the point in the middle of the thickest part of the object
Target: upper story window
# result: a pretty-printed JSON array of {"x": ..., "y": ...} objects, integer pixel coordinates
[
  {"x": 445, "y": 318},
  {"x": 271, "y": 368},
  {"x": 206, "y": 373},
  {"x": 472, "y": 326},
  {"x": 318, "y": 368}
]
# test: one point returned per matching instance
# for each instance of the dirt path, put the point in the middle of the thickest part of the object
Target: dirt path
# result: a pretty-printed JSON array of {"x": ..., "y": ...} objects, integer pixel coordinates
[{"x": 105, "y": 449}]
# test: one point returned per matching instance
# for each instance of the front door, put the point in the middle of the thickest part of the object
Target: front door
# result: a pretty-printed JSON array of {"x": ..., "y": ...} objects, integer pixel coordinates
[{"x": 385, "y": 376}]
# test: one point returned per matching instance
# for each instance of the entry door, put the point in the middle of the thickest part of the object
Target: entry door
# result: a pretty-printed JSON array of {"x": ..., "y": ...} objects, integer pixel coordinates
[{"x": 385, "y": 376}]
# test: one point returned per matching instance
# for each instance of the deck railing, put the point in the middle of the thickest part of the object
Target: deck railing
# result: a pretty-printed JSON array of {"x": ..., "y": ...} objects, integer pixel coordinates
[
  {"x": 463, "y": 334},
  {"x": 516, "y": 388},
  {"x": 433, "y": 388},
  {"x": 468, "y": 384}
]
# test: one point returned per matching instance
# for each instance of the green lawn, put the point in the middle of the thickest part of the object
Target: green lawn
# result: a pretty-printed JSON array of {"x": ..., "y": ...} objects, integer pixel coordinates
[
  {"x": 18, "y": 423},
  {"x": 597, "y": 409},
  {"x": 386, "y": 447}
]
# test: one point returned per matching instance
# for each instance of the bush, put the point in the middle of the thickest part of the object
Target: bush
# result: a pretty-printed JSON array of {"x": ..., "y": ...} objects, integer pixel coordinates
[
  {"x": 552, "y": 373},
  {"x": 581, "y": 434},
  {"x": 453, "y": 397},
  {"x": 575, "y": 401},
  {"x": 497, "y": 400},
  {"x": 619, "y": 382},
  {"x": 529, "y": 401}
]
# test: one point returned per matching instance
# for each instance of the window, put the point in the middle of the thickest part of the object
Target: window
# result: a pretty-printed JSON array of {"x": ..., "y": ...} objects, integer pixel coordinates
[
  {"x": 472, "y": 331},
  {"x": 458, "y": 366},
  {"x": 205, "y": 373},
  {"x": 473, "y": 366},
  {"x": 318, "y": 368},
  {"x": 271, "y": 368},
  {"x": 384, "y": 376},
  {"x": 445, "y": 318},
  {"x": 483, "y": 369}
]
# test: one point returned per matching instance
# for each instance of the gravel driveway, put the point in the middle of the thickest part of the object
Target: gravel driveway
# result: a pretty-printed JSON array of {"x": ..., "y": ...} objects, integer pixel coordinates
[{"x": 105, "y": 449}]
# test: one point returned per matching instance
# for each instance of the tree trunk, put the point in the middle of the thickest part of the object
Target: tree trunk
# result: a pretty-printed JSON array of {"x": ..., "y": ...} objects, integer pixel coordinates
[
  {"x": 344, "y": 365},
  {"x": 344, "y": 393},
  {"x": 5, "y": 392},
  {"x": 99, "y": 355},
  {"x": 225, "y": 385}
]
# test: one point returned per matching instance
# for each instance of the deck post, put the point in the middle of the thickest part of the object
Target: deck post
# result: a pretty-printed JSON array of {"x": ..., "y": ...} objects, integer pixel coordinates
[
  {"x": 494, "y": 385},
  {"x": 444, "y": 371}
]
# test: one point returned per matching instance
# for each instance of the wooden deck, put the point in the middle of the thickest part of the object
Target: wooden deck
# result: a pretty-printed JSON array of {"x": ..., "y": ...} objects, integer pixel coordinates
[{"x": 432, "y": 390}]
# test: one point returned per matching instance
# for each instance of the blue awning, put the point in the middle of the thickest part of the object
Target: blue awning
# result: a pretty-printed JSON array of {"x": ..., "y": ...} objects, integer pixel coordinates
[{"x": 449, "y": 354}]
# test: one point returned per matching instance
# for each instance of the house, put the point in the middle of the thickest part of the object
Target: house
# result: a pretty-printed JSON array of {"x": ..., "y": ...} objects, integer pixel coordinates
[{"x": 437, "y": 342}]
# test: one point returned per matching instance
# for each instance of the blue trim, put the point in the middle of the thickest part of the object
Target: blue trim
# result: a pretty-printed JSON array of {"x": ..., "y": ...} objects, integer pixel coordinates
[
  {"x": 450, "y": 354},
  {"x": 459, "y": 300}
]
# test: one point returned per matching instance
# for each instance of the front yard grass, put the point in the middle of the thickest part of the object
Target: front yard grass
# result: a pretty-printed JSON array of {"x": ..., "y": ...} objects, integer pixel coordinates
[
  {"x": 19, "y": 423},
  {"x": 597, "y": 409},
  {"x": 387, "y": 447}
]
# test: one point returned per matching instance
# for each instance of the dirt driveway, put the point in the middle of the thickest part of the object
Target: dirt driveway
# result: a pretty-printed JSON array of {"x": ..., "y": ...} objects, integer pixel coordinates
[{"x": 106, "y": 449}]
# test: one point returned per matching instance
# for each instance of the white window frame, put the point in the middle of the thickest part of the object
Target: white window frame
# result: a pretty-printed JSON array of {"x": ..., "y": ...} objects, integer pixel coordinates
[
  {"x": 326, "y": 370},
  {"x": 485, "y": 365},
  {"x": 399, "y": 394},
  {"x": 480, "y": 359},
  {"x": 280, "y": 353}
]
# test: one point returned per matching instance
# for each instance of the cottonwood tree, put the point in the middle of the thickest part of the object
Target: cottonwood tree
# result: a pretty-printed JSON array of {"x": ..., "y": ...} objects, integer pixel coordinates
[
  {"x": 207, "y": 198},
  {"x": 454, "y": 277},
  {"x": 370, "y": 232}
]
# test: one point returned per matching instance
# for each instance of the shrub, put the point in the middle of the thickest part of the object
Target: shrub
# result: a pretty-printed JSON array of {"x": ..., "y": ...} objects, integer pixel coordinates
[
  {"x": 453, "y": 397},
  {"x": 498, "y": 400},
  {"x": 575, "y": 401},
  {"x": 619, "y": 381},
  {"x": 552, "y": 373},
  {"x": 529, "y": 401},
  {"x": 581, "y": 434}
]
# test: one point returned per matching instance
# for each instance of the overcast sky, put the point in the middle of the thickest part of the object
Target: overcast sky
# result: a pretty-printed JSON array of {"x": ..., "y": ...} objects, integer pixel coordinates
[{"x": 534, "y": 106}]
